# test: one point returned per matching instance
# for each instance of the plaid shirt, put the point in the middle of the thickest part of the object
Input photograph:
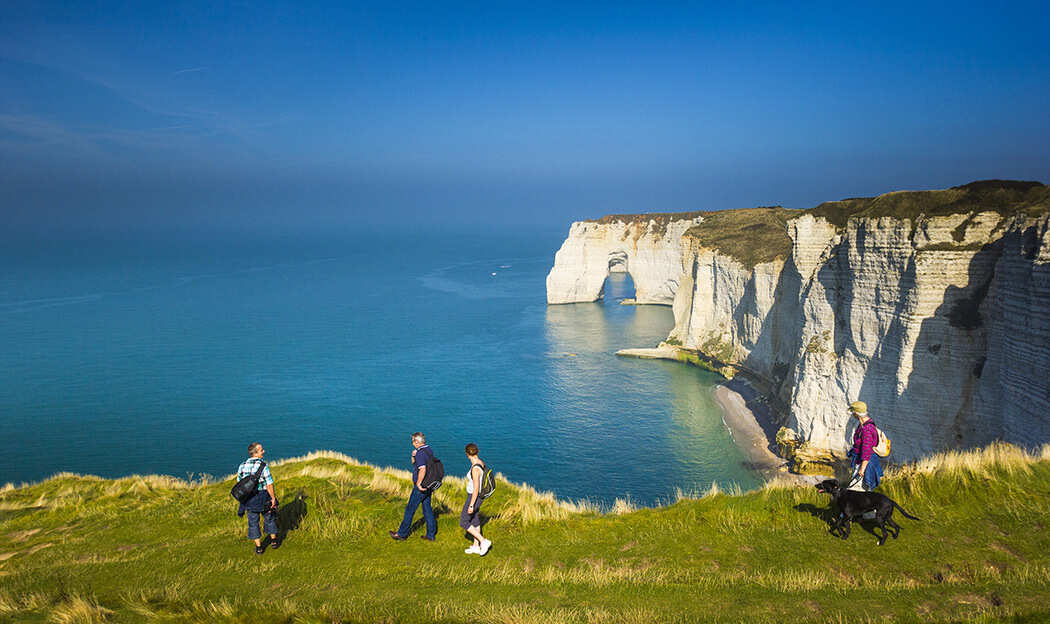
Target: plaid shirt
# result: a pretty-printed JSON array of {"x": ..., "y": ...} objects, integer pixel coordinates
[{"x": 249, "y": 467}]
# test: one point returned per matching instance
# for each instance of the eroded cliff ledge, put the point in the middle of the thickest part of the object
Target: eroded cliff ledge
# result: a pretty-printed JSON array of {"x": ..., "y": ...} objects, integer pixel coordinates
[{"x": 931, "y": 306}]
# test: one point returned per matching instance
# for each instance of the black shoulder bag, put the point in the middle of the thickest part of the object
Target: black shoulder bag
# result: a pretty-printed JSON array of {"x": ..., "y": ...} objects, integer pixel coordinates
[{"x": 245, "y": 489}]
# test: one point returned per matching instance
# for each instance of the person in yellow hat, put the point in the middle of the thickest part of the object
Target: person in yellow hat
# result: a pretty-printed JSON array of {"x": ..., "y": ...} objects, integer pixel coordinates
[{"x": 867, "y": 472}]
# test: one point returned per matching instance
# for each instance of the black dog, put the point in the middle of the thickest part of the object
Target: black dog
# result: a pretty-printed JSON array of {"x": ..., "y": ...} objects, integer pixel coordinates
[{"x": 853, "y": 504}]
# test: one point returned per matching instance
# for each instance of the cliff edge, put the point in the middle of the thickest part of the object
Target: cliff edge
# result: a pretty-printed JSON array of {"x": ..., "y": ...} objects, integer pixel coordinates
[{"x": 931, "y": 306}]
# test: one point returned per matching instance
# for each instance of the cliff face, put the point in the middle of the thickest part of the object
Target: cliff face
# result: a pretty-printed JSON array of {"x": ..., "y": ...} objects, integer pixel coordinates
[
  {"x": 648, "y": 247},
  {"x": 933, "y": 307}
]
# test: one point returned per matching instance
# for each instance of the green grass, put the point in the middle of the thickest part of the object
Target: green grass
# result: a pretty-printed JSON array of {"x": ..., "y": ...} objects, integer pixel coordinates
[
  {"x": 1005, "y": 197},
  {"x": 749, "y": 235},
  {"x": 156, "y": 549},
  {"x": 759, "y": 235}
]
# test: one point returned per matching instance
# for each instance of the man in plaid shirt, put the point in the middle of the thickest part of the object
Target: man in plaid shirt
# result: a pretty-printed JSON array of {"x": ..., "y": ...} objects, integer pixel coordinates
[{"x": 263, "y": 503}]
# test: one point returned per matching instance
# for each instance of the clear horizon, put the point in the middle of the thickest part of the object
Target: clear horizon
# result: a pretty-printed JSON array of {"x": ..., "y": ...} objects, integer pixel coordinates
[{"x": 227, "y": 117}]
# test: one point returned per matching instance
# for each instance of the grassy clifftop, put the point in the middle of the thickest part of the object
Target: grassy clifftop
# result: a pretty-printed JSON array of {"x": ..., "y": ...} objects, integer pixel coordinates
[
  {"x": 157, "y": 549},
  {"x": 758, "y": 235},
  {"x": 750, "y": 235},
  {"x": 1005, "y": 197}
]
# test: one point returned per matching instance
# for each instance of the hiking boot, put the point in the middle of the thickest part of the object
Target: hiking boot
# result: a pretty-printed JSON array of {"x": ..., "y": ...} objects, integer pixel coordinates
[
  {"x": 485, "y": 546},
  {"x": 394, "y": 535},
  {"x": 429, "y": 539}
]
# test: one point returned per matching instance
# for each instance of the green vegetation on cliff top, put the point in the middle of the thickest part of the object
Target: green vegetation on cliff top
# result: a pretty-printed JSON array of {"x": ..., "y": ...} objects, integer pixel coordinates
[
  {"x": 750, "y": 235},
  {"x": 158, "y": 549},
  {"x": 757, "y": 235},
  {"x": 1005, "y": 197}
]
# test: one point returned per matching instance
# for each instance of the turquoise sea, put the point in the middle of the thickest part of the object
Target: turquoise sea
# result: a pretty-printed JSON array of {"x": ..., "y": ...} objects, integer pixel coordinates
[{"x": 161, "y": 354}]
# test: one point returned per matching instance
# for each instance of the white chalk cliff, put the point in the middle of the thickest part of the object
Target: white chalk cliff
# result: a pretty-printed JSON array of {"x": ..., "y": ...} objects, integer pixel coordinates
[
  {"x": 648, "y": 247},
  {"x": 932, "y": 307}
]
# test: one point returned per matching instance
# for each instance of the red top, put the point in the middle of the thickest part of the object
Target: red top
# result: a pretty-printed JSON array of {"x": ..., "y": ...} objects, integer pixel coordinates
[{"x": 864, "y": 440}]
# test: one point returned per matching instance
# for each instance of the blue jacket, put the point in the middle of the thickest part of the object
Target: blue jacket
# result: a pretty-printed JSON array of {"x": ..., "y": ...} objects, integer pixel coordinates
[
  {"x": 258, "y": 503},
  {"x": 873, "y": 474}
]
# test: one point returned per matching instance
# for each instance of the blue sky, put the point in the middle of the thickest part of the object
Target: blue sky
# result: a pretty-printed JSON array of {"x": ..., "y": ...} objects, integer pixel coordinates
[{"x": 503, "y": 115}]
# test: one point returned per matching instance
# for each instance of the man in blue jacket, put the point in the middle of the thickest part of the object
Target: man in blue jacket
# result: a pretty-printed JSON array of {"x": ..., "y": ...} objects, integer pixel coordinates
[
  {"x": 420, "y": 495},
  {"x": 263, "y": 503}
]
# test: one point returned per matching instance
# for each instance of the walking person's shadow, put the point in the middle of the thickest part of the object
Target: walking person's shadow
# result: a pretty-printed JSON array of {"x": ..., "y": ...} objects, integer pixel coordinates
[{"x": 290, "y": 516}]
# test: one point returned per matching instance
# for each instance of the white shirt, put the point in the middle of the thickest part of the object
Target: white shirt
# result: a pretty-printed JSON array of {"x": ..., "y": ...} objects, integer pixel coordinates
[{"x": 470, "y": 478}]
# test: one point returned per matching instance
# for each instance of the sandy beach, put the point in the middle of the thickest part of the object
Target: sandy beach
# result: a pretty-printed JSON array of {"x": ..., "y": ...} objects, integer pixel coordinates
[
  {"x": 753, "y": 429},
  {"x": 747, "y": 417}
]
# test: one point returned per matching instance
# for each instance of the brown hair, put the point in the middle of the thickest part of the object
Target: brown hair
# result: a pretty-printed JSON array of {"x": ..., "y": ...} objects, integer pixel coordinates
[
  {"x": 254, "y": 446},
  {"x": 472, "y": 449}
]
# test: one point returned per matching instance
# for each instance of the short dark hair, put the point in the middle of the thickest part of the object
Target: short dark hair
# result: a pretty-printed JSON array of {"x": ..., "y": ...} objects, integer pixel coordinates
[
  {"x": 254, "y": 446},
  {"x": 472, "y": 449}
]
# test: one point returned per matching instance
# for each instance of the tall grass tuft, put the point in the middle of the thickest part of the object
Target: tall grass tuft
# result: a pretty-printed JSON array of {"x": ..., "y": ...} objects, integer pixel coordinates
[
  {"x": 533, "y": 506},
  {"x": 526, "y": 614},
  {"x": 622, "y": 506},
  {"x": 78, "y": 610},
  {"x": 966, "y": 464},
  {"x": 31, "y": 601},
  {"x": 388, "y": 486},
  {"x": 212, "y": 610},
  {"x": 318, "y": 455}
]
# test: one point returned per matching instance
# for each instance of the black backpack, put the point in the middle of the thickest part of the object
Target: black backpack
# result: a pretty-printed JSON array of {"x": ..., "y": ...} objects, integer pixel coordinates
[
  {"x": 488, "y": 482},
  {"x": 245, "y": 489},
  {"x": 435, "y": 472}
]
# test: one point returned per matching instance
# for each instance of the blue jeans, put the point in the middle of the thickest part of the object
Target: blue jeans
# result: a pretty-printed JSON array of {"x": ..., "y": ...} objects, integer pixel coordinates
[
  {"x": 414, "y": 499},
  {"x": 269, "y": 523},
  {"x": 873, "y": 475}
]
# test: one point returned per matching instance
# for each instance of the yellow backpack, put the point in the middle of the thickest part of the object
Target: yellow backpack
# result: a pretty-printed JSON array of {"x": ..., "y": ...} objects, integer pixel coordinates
[{"x": 882, "y": 447}]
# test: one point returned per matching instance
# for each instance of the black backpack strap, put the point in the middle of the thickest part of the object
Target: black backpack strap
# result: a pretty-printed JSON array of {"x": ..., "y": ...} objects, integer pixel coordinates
[
  {"x": 427, "y": 451},
  {"x": 258, "y": 471}
]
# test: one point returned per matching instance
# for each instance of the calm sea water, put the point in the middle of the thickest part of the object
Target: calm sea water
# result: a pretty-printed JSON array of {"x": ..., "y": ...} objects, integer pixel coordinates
[{"x": 165, "y": 356}]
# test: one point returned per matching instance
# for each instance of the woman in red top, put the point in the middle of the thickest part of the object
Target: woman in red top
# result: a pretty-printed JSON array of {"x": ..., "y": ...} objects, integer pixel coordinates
[{"x": 867, "y": 470}]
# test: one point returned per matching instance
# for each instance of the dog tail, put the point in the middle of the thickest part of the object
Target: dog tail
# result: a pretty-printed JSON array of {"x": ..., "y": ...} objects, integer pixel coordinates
[{"x": 904, "y": 513}]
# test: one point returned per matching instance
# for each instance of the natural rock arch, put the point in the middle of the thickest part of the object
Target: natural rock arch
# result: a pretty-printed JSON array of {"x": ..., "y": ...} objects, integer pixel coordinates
[{"x": 647, "y": 249}]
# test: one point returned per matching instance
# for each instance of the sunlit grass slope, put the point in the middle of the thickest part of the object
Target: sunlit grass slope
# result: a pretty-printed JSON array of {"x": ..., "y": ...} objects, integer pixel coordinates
[{"x": 157, "y": 549}]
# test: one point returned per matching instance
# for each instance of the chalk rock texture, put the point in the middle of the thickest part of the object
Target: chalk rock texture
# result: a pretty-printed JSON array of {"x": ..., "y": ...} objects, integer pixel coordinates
[
  {"x": 648, "y": 247},
  {"x": 941, "y": 322}
]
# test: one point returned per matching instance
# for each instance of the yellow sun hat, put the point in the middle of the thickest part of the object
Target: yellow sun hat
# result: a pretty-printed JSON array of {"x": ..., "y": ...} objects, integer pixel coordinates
[{"x": 858, "y": 407}]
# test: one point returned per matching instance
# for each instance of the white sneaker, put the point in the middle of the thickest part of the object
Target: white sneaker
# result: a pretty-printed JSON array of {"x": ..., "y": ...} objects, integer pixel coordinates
[
  {"x": 473, "y": 550},
  {"x": 485, "y": 545}
]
